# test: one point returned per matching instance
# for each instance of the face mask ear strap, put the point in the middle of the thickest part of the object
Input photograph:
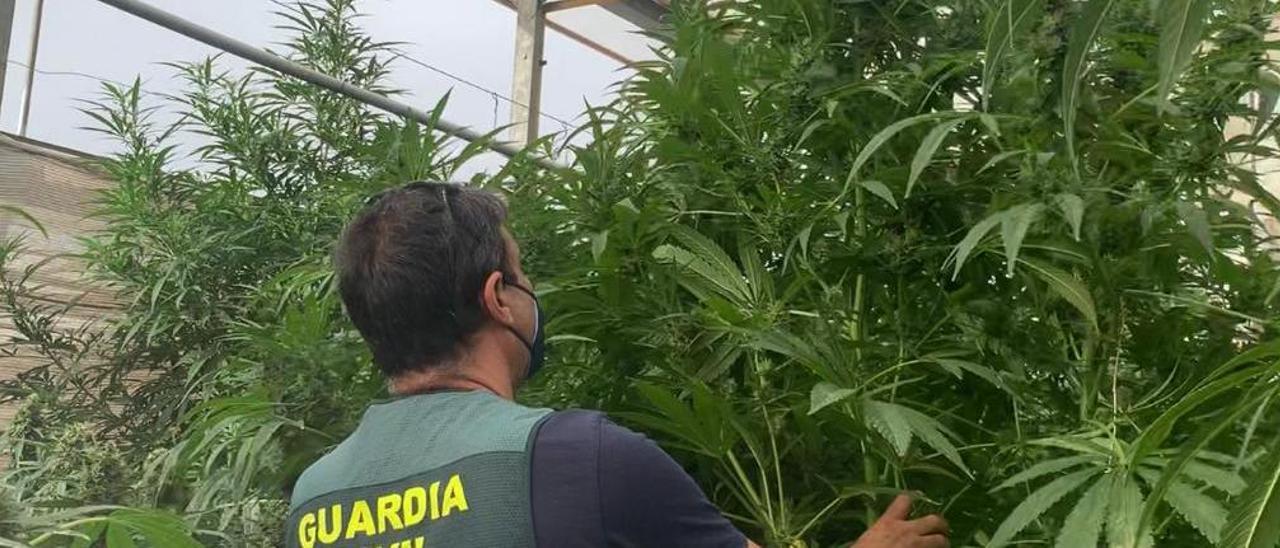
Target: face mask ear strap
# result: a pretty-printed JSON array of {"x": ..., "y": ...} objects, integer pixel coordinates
[
  {"x": 528, "y": 345},
  {"x": 507, "y": 280}
]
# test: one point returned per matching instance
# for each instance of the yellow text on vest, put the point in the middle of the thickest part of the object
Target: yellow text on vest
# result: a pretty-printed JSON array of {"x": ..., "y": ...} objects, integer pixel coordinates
[{"x": 383, "y": 513}]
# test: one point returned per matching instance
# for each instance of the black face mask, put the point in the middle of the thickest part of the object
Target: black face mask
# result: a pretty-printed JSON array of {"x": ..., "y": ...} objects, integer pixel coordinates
[{"x": 537, "y": 348}]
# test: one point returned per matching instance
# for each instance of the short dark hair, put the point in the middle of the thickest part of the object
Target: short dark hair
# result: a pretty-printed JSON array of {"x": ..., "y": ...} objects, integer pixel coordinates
[{"x": 411, "y": 267}]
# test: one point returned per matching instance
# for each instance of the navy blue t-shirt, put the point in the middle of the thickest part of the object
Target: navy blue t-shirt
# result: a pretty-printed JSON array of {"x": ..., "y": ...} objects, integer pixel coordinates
[{"x": 595, "y": 483}]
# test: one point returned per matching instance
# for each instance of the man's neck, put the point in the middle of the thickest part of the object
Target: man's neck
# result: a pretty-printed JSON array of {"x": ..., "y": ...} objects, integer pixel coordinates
[{"x": 450, "y": 378}]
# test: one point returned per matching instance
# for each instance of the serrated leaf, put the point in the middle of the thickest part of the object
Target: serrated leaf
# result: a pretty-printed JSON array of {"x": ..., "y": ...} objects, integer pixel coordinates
[
  {"x": 1013, "y": 229},
  {"x": 934, "y": 434},
  {"x": 1044, "y": 468},
  {"x": 1154, "y": 435},
  {"x": 1010, "y": 19},
  {"x": 1211, "y": 476},
  {"x": 1199, "y": 510},
  {"x": 1084, "y": 31},
  {"x": 888, "y": 420},
  {"x": 1125, "y": 514},
  {"x": 795, "y": 348},
  {"x": 708, "y": 263},
  {"x": 1068, "y": 287},
  {"x": 694, "y": 280},
  {"x": 973, "y": 238},
  {"x": 929, "y": 147},
  {"x": 1181, "y": 32},
  {"x": 880, "y": 190},
  {"x": 957, "y": 366},
  {"x": 824, "y": 394},
  {"x": 1084, "y": 524},
  {"x": 1037, "y": 503},
  {"x": 673, "y": 417},
  {"x": 760, "y": 283},
  {"x": 712, "y": 254},
  {"x": 1072, "y": 207},
  {"x": 1254, "y": 520}
]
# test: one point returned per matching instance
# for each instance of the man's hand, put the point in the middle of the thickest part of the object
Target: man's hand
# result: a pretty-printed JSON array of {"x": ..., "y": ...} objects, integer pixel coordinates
[{"x": 893, "y": 530}]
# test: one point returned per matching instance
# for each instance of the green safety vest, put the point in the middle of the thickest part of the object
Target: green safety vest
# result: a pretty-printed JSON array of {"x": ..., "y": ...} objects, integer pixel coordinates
[{"x": 438, "y": 469}]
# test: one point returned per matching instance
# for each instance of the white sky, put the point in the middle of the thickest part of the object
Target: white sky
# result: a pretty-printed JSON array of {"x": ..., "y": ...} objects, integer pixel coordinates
[{"x": 472, "y": 39}]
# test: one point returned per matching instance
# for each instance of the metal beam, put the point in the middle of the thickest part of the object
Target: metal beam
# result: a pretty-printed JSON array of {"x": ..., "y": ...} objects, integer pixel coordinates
[
  {"x": 6, "y": 34},
  {"x": 558, "y": 5},
  {"x": 646, "y": 14},
  {"x": 285, "y": 66},
  {"x": 526, "y": 81}
]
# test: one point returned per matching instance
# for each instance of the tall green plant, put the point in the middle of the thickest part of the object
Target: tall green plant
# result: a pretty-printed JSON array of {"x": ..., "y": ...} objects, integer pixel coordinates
[
  {"x": 1007, "y": 253},
  {"x": 229, "y": 366},
  {"x": 1001, "y": 252}
]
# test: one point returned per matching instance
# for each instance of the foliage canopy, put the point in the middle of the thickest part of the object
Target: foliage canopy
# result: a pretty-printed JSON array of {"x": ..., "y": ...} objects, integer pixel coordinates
[{"x": 1009, "y": 253}]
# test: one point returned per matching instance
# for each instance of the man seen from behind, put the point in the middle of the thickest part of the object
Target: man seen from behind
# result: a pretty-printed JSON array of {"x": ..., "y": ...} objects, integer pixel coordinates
[{"x": 432, "y": 279}]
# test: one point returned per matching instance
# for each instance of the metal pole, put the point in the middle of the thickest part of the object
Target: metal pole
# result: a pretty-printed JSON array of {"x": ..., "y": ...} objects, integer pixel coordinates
[
  {"x": 31, "y": 69},
  {"x": 285, "y": 66},
  {"x": 6, "y": 34},
  {"x": 526, "y": 80}
]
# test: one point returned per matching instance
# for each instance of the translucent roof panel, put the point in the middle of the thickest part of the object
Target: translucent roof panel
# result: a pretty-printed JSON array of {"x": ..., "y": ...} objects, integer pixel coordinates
[{"x": 605, "y": 28}]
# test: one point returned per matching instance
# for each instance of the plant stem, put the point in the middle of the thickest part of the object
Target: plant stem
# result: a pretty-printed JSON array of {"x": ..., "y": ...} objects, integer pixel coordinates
[
  {"x": 902, "y": 349},
  {"x": 869, "y": 477},
  {"x": 859, "y": 284},
  {"x": 773, "y": 441}
]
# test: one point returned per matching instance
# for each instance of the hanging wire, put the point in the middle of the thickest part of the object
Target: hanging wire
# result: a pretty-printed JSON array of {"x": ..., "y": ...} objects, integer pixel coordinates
[
  {"x": 67, "y": 73},
  {"x": 404, "y": 55},
  {"x": 85, "y": 75},
  {"x": 564, "y": 124}
]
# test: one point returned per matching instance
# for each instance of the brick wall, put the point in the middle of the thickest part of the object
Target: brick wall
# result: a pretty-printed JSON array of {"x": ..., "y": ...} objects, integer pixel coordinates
[{"x": 56, "y": 187}]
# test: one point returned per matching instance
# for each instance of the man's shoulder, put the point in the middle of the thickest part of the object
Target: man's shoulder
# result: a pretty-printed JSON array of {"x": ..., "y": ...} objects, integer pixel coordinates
[
  {"x": 571, "y": 426},
  {"x": 596, "y": 483},
  {"x": 591, "y": 432}
]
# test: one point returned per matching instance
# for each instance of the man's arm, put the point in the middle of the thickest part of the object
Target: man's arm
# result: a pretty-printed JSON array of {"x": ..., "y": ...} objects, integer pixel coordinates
[
  {"x": 643, "y": 475},
  {"x": 598, "y": 484},
  {"x": 649, "y": 500}
]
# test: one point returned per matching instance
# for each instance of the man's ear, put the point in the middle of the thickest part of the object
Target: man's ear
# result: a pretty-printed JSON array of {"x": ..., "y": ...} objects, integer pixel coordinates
[{"x": 491, "y": 299}]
